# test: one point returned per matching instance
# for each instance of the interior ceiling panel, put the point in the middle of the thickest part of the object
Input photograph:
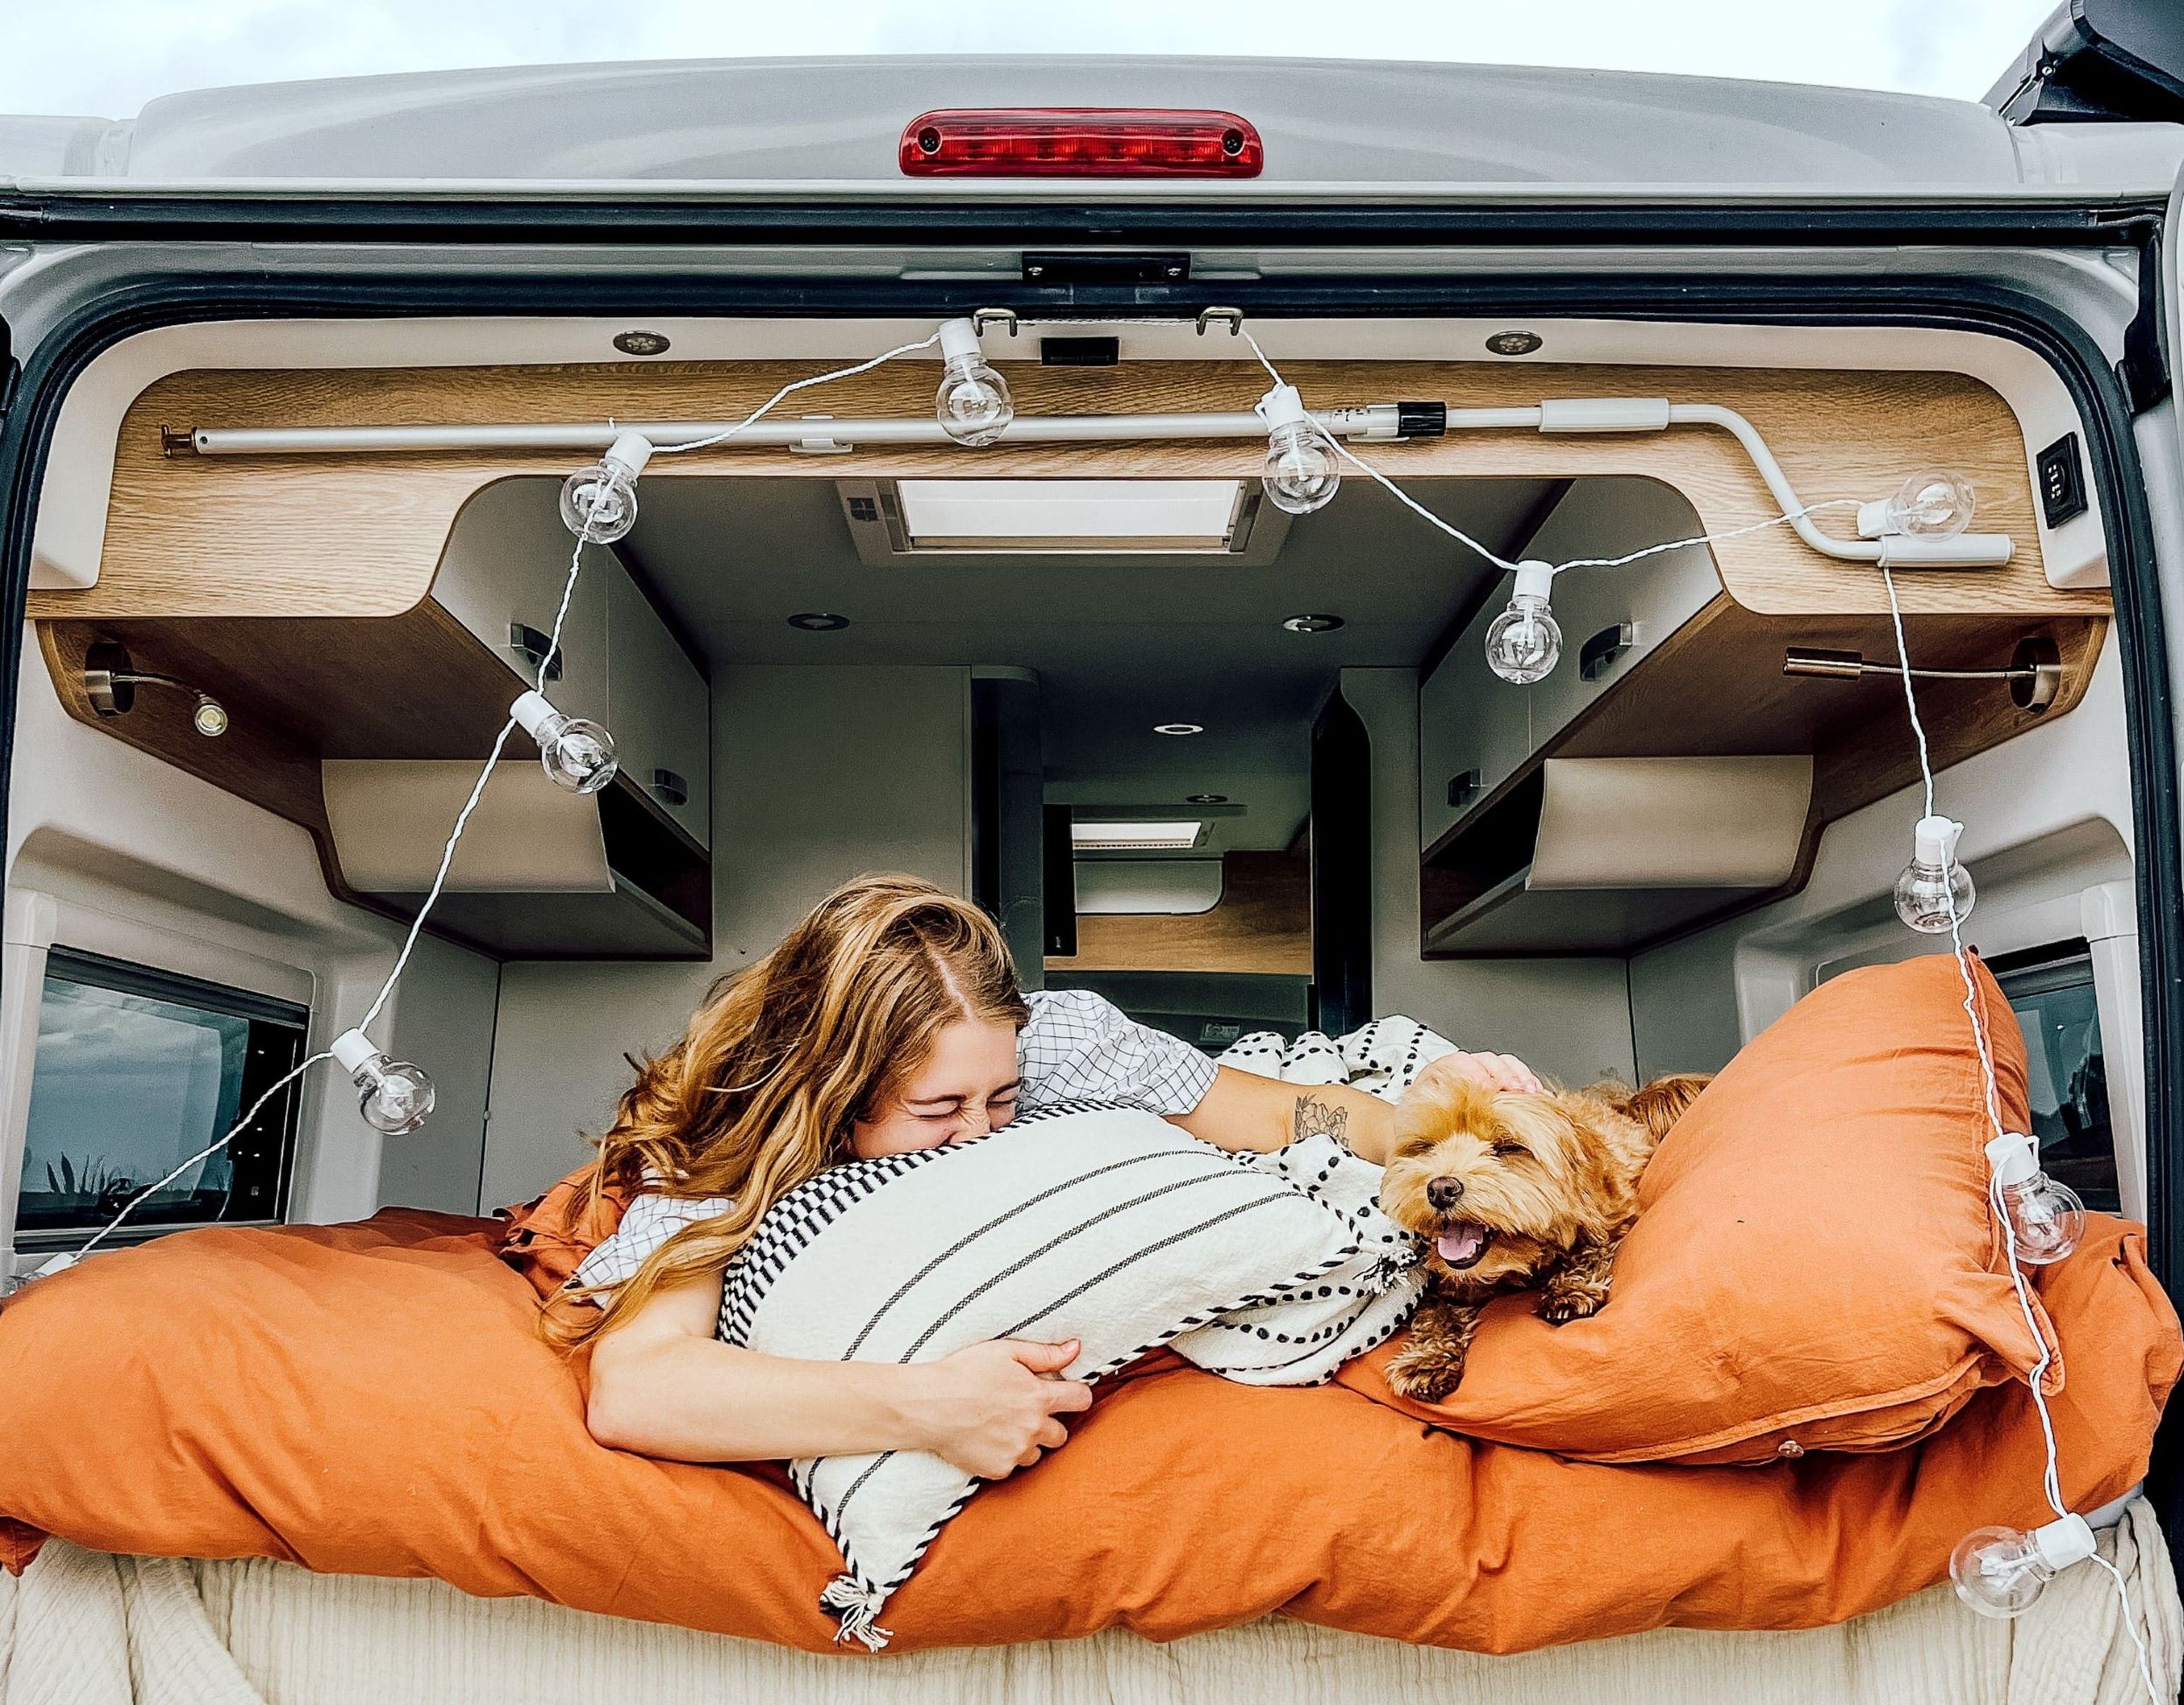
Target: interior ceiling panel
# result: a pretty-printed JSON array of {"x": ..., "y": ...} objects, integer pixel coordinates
[{"x": 1119, "y": 646}]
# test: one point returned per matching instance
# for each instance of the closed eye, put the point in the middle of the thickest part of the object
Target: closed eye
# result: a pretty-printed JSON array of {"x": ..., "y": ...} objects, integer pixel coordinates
[{"x": 1505, "y": 1147}]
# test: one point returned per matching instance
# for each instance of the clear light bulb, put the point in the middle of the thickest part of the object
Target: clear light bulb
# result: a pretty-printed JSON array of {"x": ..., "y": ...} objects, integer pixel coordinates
[
  {"x": 2046, "y": 1218},
  {"x": 1524, "y": 642},
  {"x": 394, "y": 1096},
  {"x": 576, "y": 752},
  {"x": 600, "y": 503},
  {"x": 1934, "y": 503},
  {"x": 1934, "y": 890},
  {"x": 2001, "y": 1571},
  {"x": 974, "y": 404},
  {"x": 1300, "y": 474}
]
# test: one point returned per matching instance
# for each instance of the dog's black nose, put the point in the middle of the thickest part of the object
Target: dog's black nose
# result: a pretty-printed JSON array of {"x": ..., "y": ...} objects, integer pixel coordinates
[{"x": 1445, "y": 1193}]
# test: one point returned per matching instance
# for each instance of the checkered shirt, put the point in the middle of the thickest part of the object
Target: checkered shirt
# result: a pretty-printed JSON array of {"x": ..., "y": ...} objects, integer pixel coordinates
[{"x": 1075, "y": 1047}]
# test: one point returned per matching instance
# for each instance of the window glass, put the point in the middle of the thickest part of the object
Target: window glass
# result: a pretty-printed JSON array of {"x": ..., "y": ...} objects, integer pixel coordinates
[
  {"x": 130, "y": 1081},
  {"x": 2066, "y": 1076}
]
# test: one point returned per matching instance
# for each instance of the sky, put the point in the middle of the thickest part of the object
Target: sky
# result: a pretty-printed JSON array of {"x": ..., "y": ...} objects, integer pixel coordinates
[{"x": 108, "y": 58}]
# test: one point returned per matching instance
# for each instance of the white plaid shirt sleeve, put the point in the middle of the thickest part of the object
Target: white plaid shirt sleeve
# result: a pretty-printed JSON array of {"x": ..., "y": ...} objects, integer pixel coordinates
[
  {"x": 1076, "y": 1047},
  {"x": 650, "y": 1222},
  {"x": 1079, "y": 1047}
]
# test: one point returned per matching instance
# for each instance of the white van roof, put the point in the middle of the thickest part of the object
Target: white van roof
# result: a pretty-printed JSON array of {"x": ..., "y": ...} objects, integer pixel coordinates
[{"x": 1331, "y": 127}]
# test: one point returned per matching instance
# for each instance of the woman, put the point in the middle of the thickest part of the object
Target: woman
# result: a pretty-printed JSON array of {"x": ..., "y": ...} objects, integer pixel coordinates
[{"x": 889, "y": 1020}]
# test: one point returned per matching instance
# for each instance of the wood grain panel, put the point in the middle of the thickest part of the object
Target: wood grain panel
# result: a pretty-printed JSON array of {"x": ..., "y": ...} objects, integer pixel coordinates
[
  {"x": 1263, "y": 924},
  {"x": 361, "y": 535}
]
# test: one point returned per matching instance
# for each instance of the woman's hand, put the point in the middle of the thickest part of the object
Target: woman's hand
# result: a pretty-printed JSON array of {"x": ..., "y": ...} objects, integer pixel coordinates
[
  {"x": 990, "y": 1409},
  {"x": 1504, "y": 1074}
]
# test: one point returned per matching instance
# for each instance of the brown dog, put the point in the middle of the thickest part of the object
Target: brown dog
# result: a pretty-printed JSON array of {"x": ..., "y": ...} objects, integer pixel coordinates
[{"x": 1512, "y": 1191}]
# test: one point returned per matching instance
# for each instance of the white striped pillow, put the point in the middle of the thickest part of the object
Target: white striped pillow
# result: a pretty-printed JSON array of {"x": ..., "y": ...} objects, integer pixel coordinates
[{"x": 1104, "y": 1224}]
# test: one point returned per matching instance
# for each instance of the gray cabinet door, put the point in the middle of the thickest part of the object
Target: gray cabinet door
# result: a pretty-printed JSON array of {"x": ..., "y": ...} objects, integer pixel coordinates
[
  {"x": 506, "y": 564},
  {"x": 660, "y": 709}
]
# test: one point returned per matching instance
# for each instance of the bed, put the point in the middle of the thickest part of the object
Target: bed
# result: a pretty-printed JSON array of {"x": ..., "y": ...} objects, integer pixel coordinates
[{"x": 86, "y": 1628}]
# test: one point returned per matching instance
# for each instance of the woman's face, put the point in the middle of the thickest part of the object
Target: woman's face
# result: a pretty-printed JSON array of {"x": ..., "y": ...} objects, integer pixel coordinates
[{"x": 966, "y": 1087}]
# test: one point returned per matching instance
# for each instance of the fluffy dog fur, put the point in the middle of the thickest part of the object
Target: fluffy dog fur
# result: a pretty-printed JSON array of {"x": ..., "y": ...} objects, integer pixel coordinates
[{"x": 1513, "y": 1192}]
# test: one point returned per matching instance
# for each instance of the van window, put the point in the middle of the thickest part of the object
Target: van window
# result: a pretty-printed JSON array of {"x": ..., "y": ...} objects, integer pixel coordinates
[
  {"x": 2066, "y": 1075},
  {"x": 137, "y": 1069}
]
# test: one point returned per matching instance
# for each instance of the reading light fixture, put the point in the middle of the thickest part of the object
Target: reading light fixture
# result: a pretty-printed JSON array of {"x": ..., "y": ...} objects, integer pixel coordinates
[{"x": 110, "y": 681}]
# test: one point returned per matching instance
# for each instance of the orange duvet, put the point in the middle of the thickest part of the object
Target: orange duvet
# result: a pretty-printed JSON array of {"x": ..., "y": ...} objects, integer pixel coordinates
[{"x": 371, "y": 1399}]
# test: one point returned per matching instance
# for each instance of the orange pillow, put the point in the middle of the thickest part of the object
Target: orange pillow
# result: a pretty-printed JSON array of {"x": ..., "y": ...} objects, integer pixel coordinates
[
  {"x": 1815, "y": 1265},
  {"x": 374, "y": 1399}
]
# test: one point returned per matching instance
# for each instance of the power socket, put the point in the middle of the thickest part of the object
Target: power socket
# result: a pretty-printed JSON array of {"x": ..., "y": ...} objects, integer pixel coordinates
[{"x": 2061, "y": 482}]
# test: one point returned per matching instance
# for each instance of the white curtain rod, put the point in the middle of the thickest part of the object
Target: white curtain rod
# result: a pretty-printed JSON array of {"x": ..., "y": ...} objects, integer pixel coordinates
[{"x": 1372, "y": 423}]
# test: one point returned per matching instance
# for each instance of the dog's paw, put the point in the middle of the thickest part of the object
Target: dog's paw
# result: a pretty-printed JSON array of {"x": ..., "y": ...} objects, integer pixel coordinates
[
  {"x": 1425, "y": 1374},
  {"x": 1558, "y": 1308}
]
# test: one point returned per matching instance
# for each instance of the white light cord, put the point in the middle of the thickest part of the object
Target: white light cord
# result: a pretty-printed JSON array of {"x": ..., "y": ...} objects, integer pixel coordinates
[
  {"x": 599, "y": 496},
  {"x": 2051, "y": 1479},
  {"x": 791, "y": 388},
  {"x": 1788, "y": 518}
]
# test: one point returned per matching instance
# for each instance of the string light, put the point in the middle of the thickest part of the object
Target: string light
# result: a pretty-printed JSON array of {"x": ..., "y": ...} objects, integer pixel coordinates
[
  {"x": 598, "y": 503},
  {"x": 1934, "y": 503},
  {"x": 2002, "y": 1571},
  {"x": 1525, "y": 641},
  {"x": 396, "y": 1097},
  {"x": 2046, "y": 1218},
  {"x": 973, "y": 406},
  {"x": 1934, "y": 890},
  {"x": 1299, "y": 475},
  {"x": 576, "y": 752}
]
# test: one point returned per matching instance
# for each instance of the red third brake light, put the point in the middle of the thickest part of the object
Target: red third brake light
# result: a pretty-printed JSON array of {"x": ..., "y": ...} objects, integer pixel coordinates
[{"x": 1079, "y": 141}]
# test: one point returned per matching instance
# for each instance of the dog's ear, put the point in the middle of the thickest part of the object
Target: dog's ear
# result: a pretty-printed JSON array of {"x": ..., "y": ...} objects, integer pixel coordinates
[{"x": 1660, "y": 1103}]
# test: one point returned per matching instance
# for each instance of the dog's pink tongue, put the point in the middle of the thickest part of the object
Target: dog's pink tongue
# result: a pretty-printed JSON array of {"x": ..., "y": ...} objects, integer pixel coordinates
[{"x": 1461, "y": 1245}]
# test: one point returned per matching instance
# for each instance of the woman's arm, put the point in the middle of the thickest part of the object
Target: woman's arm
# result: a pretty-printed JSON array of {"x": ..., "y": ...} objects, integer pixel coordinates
[
  {"x": 663, "y": 1386},
  {"x": 1245, "y": 1110}
]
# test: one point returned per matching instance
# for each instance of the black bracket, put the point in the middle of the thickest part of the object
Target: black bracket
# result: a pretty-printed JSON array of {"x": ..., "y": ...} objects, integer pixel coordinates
[
  {"x": 1059, "y": 267},
  {"x": 2143, "y": 372}
]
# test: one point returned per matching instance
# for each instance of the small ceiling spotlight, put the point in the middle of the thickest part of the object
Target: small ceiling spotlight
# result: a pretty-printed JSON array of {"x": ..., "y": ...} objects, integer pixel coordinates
[
  {"x": 818, "y": 621},
  {"x": 110, "y": 681},
  {"x": 1179, "y": 727},
  {"x": 1206, "y": 798},
  {"x": 1313, "y": 624},
  {"x": 1514, "y": 343},
  {"x": 641, "y": 343}
]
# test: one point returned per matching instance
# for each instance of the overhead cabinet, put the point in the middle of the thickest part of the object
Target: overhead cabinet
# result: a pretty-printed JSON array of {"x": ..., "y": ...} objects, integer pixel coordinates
[
  {"x": 368, "y": 730},
  {"x": 1666, "y": 728}
]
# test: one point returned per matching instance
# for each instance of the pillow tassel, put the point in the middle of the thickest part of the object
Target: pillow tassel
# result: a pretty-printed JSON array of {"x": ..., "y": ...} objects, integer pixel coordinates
[
  {"x": 857, "y": 1606},
  {"x": 1391, "y": 1270}
]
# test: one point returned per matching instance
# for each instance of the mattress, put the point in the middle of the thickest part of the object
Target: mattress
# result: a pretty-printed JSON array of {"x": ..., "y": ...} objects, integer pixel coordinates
[{"x": 83, "y": 1627}]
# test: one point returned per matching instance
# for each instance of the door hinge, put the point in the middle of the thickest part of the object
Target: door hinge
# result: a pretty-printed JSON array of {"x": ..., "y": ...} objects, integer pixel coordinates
[{"x": 2143, "y": 372}]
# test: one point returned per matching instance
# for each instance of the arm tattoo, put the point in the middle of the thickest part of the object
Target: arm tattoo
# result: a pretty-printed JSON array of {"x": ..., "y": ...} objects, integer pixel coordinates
[{"x": 1315, "y": 1118}]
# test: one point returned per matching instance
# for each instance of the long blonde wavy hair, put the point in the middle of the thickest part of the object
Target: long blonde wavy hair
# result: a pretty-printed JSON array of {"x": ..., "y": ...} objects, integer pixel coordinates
[{"x": 760, "y": 1093}]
